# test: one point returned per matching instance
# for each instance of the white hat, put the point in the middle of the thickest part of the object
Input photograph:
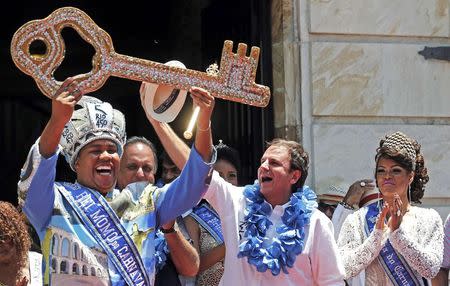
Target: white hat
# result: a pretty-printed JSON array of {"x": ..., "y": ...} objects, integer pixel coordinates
[
  {"x": 333, "y": 195},
  {"x": 163, "y": 102},
  {"x": 95, "y": 120}
]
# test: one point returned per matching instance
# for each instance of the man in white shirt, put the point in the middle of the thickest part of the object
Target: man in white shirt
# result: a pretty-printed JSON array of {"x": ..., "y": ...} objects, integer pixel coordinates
[{"x": 273, "y": 233}]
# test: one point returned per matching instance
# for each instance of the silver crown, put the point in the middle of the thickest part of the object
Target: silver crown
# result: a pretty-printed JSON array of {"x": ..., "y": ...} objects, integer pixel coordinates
[{"x": 95, "y": 120}]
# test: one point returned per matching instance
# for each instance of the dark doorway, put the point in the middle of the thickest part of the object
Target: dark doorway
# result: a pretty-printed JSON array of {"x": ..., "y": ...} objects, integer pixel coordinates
[{"x": 190, "y": 31}]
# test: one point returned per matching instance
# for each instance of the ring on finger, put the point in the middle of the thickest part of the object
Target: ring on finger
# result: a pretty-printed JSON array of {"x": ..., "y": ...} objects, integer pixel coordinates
[{"x": 362, "y": 184}]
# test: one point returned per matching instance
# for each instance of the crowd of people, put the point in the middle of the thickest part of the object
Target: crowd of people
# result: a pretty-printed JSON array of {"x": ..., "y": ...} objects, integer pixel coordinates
[{"x": 118, "y": 224}]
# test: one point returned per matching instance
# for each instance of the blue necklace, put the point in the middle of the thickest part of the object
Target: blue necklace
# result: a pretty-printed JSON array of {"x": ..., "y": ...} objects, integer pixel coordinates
[{"x": 288, "y": 243}]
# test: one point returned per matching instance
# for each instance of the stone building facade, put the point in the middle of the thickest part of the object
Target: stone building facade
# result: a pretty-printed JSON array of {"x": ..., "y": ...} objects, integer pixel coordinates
[{"x": 345, "y": 73}]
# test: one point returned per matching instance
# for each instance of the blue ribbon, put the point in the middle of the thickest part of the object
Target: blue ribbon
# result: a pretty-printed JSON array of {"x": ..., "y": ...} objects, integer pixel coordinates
[
  {"x": 209, "y": 219},
  {"x": 393, "y": 263},
  {"x": 105, "y": 227}
]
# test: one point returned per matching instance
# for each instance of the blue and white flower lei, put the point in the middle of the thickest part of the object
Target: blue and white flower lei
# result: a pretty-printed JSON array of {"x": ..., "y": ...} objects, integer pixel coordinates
[
  {"x": 161, "y": 251},
  {"x": 288, "y": 243}
]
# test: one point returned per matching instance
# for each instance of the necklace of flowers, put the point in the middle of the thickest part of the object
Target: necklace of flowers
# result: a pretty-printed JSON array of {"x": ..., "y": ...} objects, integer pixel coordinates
[{"x": 290, "y": 235}]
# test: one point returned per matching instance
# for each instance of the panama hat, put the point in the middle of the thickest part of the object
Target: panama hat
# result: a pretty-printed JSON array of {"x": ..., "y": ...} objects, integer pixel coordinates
[
  {"x": 163, "y": 102},
  {"x": 333, "y": 195}
]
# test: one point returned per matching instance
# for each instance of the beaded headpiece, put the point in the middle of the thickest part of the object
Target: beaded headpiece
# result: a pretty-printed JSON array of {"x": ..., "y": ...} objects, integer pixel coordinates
[
  {"x": 401, "y": 143},
  {"x": 95, "y": 120}
]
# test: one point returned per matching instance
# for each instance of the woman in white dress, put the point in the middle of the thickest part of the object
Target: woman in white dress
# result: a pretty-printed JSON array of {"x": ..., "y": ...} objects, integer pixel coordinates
[{"x": 391, "y": 241}]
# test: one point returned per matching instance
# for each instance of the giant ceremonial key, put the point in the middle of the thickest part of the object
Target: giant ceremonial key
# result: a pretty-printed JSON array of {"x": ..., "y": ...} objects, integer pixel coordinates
[{"x": 235, "y": 80}]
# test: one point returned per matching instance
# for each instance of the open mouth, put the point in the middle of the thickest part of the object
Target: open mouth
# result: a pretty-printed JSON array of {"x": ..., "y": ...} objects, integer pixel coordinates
[
  {"x": 266, "y": 179},
  {"x": 104, "y": 170}
]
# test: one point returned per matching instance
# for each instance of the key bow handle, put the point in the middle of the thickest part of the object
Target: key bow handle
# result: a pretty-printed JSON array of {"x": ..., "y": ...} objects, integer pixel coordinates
[{"x": 42, "y": 66}]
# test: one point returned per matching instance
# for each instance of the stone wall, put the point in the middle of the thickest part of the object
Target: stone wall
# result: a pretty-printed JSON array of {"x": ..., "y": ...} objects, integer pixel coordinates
[{"x": 348, "y": 72}]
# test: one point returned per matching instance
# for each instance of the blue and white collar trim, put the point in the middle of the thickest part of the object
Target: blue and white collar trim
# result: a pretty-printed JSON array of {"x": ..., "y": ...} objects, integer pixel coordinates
[{"x": 281, "y": 251}]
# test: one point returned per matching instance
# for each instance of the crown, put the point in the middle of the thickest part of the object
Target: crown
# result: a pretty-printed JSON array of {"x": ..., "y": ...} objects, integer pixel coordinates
[{"x": 95, "y": 120}]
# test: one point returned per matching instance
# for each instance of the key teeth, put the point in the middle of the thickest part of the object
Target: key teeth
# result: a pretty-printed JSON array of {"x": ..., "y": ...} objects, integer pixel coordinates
[
  {"x": 246, "y": 65},
  {"x": 254, "y": 54},
  {"x": 242, "y": 50},
  {"x": 228, "y": 46}
]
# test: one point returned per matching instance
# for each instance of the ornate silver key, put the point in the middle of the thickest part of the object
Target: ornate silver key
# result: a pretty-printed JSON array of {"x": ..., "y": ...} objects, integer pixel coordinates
[{"x": 235, "y": 80}]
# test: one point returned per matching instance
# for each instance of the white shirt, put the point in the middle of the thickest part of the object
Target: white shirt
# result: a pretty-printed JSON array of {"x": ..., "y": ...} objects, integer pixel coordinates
[
  {"x": 318, "y": 264},
  {"x": 339, "y": 216}
]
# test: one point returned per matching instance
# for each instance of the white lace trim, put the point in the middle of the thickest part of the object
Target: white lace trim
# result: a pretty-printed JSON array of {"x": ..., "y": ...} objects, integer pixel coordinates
[{"x": 419, "y": 240}]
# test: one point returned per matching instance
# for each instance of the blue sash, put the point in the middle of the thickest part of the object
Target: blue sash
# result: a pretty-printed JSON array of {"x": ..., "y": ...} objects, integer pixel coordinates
[
  {"x": 209, "y": 219},
  {"x": 104, "y": 225},
  {"x": 393, "y": 263}
]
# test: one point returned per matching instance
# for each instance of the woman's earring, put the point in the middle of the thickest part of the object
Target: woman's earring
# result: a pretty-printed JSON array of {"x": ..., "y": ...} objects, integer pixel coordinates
[
  {"x": 409, "y": 193},
  {"x": 379, "y": 200}
]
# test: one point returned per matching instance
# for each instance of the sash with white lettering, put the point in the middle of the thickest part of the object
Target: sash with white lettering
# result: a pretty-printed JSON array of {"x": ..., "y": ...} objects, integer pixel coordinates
[
  {"x": 393, "y": 263},
  {"x": 105, "y": 227},
  {"x": 209, "y": 219}
]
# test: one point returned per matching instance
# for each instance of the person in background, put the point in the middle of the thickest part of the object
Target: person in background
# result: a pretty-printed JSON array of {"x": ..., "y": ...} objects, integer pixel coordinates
[
  {"x": 139, "y": 163},
  {"x": 14, "y": 245},
  {"x": 391, "y": 241},
  {"x": 328, "y": 201},
  {"x": 340, "y": 204},
  {"x": 228, "y": 163},
  {"x": 360, "y": 194},
  {"x": 169, "y": 171},
  {"x": 442, "y": 278},
  {"x": 203, "y": 222}
]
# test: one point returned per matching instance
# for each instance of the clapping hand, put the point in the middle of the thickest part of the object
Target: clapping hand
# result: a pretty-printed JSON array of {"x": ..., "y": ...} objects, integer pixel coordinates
[
  {"x": 396, "y": 214},
  {"x": 380, "y": 224}
]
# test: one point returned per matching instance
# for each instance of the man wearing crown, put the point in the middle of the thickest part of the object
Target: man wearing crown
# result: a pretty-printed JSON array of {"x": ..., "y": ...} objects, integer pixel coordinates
[{"x": 89, "y": 233}]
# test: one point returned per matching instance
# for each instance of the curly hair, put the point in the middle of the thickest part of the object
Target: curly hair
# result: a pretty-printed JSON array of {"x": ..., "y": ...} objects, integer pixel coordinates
[
  {"x": 299, "y": 159},
  {"x": 417, "y": 186},
  {"x": 13, "y": 227}
]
